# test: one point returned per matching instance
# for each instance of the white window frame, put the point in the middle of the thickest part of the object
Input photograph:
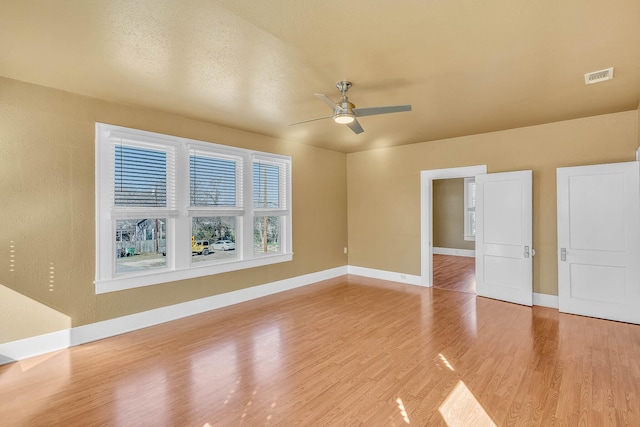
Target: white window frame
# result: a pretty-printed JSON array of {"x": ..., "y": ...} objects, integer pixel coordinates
[
  {"x": 179, "y": 213},
  {"x": 469, "y": 206},
  {"x": 283, "y": 211}
]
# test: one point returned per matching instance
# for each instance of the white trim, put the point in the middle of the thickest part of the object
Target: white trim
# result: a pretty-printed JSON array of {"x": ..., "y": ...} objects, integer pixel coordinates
[
  {"x": 41, "y": 344},
  {"x": 34, "y": 346},
  {"x": 545, "y": 300},
  {"x": 426, "y": 211},
  {"x": 542, "y": 300},
  {"x": 391, "y": 276},
  {"x": 455, "y": 252}
]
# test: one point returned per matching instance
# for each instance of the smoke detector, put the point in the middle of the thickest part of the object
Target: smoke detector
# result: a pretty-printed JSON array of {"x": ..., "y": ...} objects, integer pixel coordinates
[{"x": 598, "y": 76}]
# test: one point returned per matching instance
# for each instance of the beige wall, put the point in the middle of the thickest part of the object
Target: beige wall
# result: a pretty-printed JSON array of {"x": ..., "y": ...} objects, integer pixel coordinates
[
  {"x": 384, "y": 185},
  {"x": 47, "y": 232},
  {"x": 448, "y": 214}
]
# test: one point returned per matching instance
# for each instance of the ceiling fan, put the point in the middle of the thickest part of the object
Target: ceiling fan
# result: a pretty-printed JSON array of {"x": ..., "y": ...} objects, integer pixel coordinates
[{"x": 345, "y": 112}]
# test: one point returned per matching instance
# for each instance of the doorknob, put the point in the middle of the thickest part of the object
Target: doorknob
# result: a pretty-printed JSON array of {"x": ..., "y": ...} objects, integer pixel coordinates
[{"x": 563, "y": 254}]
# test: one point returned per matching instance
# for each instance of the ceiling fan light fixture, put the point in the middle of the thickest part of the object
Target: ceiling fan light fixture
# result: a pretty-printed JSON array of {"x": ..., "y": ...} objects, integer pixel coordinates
[
  {"x": 345, "y": 112},
  {"x": 344, "y": 118}
]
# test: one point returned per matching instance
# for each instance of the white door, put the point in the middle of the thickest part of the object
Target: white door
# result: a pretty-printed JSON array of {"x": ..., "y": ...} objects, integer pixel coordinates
[
  {"x": 504, "y": 236},
  {"x": 599, "y": 241}
]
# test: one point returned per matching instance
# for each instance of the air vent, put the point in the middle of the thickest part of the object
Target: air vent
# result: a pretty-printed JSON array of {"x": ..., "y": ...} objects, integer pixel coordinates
[{"x": 598, "y": 76}]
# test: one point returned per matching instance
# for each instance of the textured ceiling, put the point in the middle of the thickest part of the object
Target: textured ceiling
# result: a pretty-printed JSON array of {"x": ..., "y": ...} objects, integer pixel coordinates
[{"x": 466, "y": 67}]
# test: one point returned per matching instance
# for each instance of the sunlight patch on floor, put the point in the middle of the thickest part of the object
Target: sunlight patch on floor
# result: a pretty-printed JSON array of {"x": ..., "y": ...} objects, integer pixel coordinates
[
  {"x": 32, "y": 362},
  {"x": 446, "y": 362},
  {"x": 461, "y": 408},
  {"x": 403, "y": 411}
]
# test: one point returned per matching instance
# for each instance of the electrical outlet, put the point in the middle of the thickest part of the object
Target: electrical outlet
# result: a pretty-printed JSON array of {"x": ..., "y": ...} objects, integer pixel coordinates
[{"x": 345, "y": 249}]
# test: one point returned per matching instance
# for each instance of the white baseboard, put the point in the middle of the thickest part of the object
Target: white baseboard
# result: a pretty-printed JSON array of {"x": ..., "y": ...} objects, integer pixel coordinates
[
  {"x": 34, "y": 346},
  {"x": 41, "y": 344},
  {"x": 456, "y": 252},
  {"x": 385, "y": 275},
  {"x": 545, "y": 300}
]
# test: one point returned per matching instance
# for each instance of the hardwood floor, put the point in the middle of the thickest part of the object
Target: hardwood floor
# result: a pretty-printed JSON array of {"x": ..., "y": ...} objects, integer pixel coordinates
[
  {"x": 349, "y": 351},
  {"x": 454, "y": 273}
]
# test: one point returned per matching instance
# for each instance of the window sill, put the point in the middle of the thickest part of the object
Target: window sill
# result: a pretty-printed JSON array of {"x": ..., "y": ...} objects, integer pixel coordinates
[
  {"x": 469, "y": 238},
  {"x": 165, "y": 275}
]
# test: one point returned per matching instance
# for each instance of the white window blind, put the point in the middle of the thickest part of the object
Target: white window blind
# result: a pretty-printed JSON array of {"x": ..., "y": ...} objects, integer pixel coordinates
[
  {"x": 214, "y": 180},
  {"x": 270, "y": 185},
  {"x": 140, "y": 177}
]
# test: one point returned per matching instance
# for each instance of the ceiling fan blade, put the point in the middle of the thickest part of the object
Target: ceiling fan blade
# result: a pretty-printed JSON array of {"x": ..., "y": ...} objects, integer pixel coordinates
[
  {"x": 324, "y": 98},
  {"x": 310, "y": 120},
  {"x": 360, "y": 112},
  {"x": 355, "y": 127}
]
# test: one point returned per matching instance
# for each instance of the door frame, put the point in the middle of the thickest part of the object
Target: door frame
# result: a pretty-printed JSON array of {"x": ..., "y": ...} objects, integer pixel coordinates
[{"x": 426, "y": 212}]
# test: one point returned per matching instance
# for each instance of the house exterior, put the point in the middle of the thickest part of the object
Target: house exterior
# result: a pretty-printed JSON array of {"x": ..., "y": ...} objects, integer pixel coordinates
[{"x": 140, "y": 237}]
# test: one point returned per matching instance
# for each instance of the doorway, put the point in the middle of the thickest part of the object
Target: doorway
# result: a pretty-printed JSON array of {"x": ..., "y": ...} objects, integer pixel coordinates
[
  {"x": 453, "y": 216},
  {"x": 426, "y": 185}
]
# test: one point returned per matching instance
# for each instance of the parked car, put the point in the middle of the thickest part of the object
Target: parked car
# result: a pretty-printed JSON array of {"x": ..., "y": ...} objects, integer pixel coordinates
[
  {"x": 200, "y": 247},
  {"x": 224, "y": 245}
]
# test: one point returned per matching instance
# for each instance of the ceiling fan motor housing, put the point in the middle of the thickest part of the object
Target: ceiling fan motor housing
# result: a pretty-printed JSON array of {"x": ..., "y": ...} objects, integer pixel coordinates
[{"x": 344, "y": 112}]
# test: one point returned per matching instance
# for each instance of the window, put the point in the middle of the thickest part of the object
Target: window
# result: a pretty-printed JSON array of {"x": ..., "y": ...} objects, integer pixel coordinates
[
  {"x": 269, "y": 204},
  {"x": 170, "y": 208},
  {"x": 469, "y": 209},
  {"x": 215, "y": 203}
]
